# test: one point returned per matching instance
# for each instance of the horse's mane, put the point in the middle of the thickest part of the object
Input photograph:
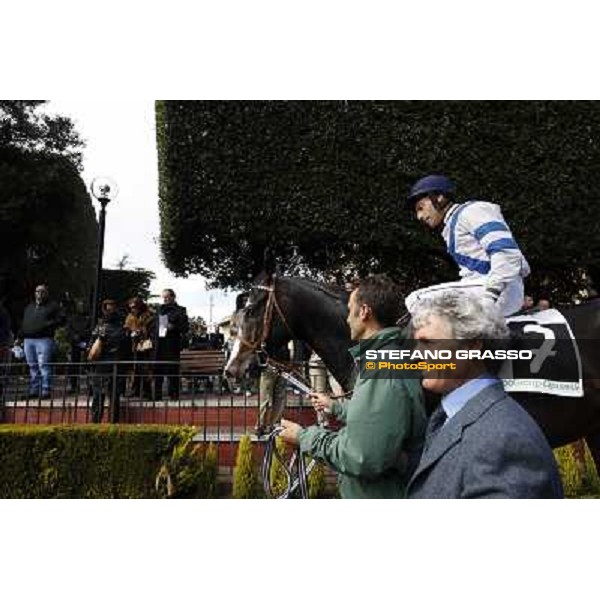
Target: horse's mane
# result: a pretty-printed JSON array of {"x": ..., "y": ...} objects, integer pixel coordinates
[
  {"x": 333, "y": 291},
  {"x": 330, "y": 290}
]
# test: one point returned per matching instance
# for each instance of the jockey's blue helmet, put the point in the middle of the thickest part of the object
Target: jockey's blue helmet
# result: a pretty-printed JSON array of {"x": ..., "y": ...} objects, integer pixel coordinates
[{"x": 431, "y": 184}]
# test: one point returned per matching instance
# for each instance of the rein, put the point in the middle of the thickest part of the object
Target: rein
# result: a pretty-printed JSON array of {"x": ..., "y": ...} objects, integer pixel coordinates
[{"x": 296, "y": 471}]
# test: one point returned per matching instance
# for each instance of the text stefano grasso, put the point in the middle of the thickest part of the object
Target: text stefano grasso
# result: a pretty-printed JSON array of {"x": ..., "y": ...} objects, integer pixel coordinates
[{"x": 410, "y": 355}]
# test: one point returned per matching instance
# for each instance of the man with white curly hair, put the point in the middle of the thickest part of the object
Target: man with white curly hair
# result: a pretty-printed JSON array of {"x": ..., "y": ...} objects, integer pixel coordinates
[{"x": 479, "y": 442}]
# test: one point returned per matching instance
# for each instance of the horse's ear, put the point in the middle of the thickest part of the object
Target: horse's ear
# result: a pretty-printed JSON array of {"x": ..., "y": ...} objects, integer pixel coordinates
[
  {"x": 240, "y": 301},
  {"x": 269, "y": 263}
]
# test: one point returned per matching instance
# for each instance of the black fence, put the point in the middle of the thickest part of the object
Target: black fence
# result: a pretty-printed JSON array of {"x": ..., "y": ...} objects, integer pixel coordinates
[{"x": 141, "y": 392}]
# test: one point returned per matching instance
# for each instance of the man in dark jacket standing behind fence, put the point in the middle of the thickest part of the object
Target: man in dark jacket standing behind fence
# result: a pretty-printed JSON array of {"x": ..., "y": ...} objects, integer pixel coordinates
[
  {"x": 170, "y": 331},
  {"x": 40, "y": 321}
]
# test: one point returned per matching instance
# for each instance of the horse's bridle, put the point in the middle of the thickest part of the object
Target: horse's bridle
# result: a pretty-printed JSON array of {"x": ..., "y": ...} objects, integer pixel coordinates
[{"x": 267, "y": 317}]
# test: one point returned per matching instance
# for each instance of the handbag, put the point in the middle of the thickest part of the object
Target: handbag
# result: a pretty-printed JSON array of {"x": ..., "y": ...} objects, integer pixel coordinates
[
  {"x": 144, "y": 345},
  {"x": 95, "y": 351}
]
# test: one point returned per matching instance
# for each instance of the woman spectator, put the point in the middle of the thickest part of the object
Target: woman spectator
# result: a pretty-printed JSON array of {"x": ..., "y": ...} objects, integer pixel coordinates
[
  {"x": 109, "y": 346},
  {"x": 138, "y": 324}
]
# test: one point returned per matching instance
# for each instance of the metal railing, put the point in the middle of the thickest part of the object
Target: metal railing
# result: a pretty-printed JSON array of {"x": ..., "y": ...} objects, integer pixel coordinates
[{"x": 138, "y": 392}]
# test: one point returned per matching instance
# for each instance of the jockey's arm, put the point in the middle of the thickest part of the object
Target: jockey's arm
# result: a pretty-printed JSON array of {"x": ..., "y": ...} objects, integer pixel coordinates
[
  {"x": 507, "y": 263},
  {"x": 506, "y": 266}
]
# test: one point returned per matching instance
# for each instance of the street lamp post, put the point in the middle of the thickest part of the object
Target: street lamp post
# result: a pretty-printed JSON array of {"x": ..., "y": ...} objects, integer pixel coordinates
[{"x": 104, "y": 190}]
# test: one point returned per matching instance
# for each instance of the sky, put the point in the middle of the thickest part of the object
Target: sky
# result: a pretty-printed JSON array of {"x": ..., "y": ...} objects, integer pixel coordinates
[{"x": 120, "y": 143}]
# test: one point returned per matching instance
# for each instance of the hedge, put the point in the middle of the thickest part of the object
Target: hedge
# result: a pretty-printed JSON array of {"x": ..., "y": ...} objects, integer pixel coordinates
[
  {"x": 246, "y": 478},
  {"x": 579, "y": 480},
  {"x": 96, "y": 461},
  {"x": 159, "y": 461},
  {"x": 322, "y": 185}
]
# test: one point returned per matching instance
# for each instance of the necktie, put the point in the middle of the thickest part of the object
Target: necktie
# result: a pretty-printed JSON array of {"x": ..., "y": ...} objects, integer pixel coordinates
[{"x": 437, "y": 419}]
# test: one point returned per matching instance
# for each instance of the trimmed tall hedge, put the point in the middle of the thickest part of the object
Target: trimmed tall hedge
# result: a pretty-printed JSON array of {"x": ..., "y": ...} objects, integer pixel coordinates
[
  {"x": 95, "y": 461},
  {"x": 322, "y": 184}
]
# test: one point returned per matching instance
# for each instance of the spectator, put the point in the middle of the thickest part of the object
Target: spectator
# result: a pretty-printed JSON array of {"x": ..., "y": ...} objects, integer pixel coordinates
[
  {"x": 113, "y": 342},
  {"x": 216, "y": 339},
  {"x": 527, "y": 303},
  {"x": 203, "y": 340},
  {"x": 199, "y": 338},
  {"x": 170, "y": 331},
  {"x": 479, "y": 442},
  {"x": 383, "y": 421},
  {"x": 41, "y": 320},
  {"x": 78, "y": 334},
  {"x": 543, "y": 303},
  {"x": 138, "y": 325}
]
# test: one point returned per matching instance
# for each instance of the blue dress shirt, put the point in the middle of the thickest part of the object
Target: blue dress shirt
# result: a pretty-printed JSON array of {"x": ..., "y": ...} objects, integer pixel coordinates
[{"x": 457, "y": 398}]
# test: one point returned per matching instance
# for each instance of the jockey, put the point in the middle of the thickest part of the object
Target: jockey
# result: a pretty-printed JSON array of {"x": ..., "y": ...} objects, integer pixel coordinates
[{"x": 478, "y": 239}]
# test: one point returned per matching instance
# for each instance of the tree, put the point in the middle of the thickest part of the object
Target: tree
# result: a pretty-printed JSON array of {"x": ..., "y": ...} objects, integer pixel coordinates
[
  {"x": 197, "y": 324},
  {"x": 24, "y": 126},
  {"x": 322, "y": 184},
  {"x": 246, "y": 481},
  {"x": 123, "y": 261},
  {"x": 47, "y": 221},
  {"x": 122, "y": 284}
]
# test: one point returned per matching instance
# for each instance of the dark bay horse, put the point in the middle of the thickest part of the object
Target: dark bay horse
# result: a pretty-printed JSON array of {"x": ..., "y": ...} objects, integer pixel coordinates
[
  {"x": 284, "y": 308},
  {"x": 297, "y": 309}
]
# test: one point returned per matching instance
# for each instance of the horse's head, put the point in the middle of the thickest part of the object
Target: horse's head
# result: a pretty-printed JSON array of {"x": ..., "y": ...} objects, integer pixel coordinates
[
  {"x": 278, "y": 309},
  {"x": 251, "y": 320}
]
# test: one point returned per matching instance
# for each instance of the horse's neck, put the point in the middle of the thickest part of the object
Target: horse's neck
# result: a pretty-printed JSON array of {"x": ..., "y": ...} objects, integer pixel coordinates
[
  {"x": 337, "y": 359},
  {"x": 320, "y": 322}
]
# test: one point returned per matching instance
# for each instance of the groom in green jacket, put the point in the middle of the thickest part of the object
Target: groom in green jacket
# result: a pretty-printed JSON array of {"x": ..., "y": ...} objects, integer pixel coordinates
[{"x": 384, "y": 421}]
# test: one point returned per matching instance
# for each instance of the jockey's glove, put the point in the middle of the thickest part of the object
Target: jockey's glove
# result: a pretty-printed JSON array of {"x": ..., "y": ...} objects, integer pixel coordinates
[{"x": 491, "y": 295}]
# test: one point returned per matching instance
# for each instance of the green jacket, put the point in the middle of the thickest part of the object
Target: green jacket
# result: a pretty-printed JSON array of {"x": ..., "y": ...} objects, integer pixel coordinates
[{"x": 381, "y": 440}]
